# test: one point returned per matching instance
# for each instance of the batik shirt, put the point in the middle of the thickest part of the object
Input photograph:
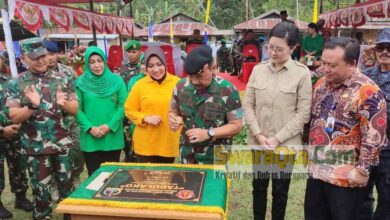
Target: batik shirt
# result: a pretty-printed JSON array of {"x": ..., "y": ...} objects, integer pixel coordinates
[
  {"x": 382, "y": 79},
  {"x": 359, "y": 109},
  {"x": 46, "y": 131}
]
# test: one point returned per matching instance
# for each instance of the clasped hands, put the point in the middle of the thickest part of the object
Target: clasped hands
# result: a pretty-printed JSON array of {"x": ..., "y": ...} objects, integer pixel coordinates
[
  {"x": 99, "y": 132},
  {"x": 267, "y": 143}
]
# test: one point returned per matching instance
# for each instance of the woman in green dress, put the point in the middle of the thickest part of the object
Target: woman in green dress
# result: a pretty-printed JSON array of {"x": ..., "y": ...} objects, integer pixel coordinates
[{"x": 101, "y": 96}]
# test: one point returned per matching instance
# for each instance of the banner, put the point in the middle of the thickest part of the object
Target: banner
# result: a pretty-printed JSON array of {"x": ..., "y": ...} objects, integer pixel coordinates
[
  {"x": 356, "y": 15},
  {"x": 33, "y": 14}
]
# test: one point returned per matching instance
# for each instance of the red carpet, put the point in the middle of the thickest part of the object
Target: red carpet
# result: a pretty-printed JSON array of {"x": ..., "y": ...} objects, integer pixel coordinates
[{"x": 240, "y": 86}]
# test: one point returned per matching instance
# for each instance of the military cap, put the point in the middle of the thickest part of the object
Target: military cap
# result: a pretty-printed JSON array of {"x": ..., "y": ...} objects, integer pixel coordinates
[
  {"x": 383, "y": 36},
  {"x": 33, "y": 47},
  {"x": 51, "y": 46},
  {"x": 197, "y": 58},
  {"x": 133, "y": 45},
  {"x": 157, "y": 51}
]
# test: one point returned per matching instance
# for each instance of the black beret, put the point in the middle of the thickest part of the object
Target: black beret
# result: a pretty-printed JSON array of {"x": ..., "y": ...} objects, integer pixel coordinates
[{"x": 197, "y": 58}]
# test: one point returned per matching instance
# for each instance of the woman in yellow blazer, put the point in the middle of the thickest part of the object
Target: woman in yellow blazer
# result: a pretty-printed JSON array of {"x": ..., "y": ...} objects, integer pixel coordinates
[{"x": 147, "y": 107}]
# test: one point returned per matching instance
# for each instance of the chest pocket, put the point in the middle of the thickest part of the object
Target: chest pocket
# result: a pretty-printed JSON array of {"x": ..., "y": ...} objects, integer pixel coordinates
[
  {"x": 214, "y": 111},
  {"x": 287, "y": 95},
  {"x": 185, "y": 98}
]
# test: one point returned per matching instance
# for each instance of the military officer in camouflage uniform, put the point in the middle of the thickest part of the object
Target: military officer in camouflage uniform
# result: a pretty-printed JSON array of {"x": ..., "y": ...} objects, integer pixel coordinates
[
  {"x": 380, "y": 175},
  {"x": 10, "y": 150},
  {"x": 128, "y": 71},
  {"x": 74, "y": 151},
  {"x": 40, "y": 100},
  {"x": 224, "y": 58},
  {"x": 133, "y": 67},
  {"x": 208, "y": 106}
]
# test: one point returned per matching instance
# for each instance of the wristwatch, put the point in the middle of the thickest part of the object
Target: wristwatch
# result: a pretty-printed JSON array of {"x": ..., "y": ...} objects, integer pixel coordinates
[
  {"x": 32, "y": 106},
  {"x": 211, "y": 133}
]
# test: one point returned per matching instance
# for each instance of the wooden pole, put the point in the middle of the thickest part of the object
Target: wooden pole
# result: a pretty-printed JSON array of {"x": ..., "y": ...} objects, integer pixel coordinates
[{"x": 93, "y": 28}]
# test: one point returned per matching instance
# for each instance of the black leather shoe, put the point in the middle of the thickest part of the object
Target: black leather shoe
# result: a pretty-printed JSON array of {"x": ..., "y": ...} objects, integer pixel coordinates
[
  {"x": 24, "y": 204},
  {"x": 4, "y": 213}
]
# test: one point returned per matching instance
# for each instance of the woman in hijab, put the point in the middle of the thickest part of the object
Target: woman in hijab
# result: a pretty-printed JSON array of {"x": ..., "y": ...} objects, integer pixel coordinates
[
  {"x": 147, "y": 107},
  {"x": 101, "y": 96}
]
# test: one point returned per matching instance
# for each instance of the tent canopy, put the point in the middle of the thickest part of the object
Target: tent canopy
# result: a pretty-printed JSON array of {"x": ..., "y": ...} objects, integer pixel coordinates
[
  {"x": 356, "y": 15},
  {"x": 18, "y": 32}
]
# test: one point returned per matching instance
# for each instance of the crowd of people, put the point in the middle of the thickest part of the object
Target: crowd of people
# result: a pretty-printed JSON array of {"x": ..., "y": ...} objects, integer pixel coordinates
[{"x": 53, "y": 122}]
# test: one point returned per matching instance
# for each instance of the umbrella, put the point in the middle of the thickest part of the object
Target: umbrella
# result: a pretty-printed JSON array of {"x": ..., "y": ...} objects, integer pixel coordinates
[{"x": 18, "y": 32}]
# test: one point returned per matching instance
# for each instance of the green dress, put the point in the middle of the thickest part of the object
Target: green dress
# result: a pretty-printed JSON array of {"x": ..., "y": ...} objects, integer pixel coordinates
[
  {"x": 99, "y": 105},
  {"x": 314, "y": 44}
]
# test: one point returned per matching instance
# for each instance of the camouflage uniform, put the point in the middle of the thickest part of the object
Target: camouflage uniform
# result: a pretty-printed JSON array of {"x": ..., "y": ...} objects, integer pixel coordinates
[
  {"x": 380, "y": 175},
  {"x": 74, "y": 152},
  {"x": 224, "y": 59},
  {"x": 10, "y": 149},
  {"x": 205, "y": 109},
  {"x": 128, "y": 71},
  {"x": 45, "y": 136}
]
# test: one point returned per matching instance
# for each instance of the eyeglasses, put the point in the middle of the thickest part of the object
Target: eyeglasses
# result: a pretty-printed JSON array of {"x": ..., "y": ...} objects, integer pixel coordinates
[
  {"x": 381, "y": 47},
  {"x": 275, "y": 49}
]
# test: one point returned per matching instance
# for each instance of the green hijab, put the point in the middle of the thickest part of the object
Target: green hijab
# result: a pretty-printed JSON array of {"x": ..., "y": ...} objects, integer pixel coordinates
[{"x": 102, "y": 86}]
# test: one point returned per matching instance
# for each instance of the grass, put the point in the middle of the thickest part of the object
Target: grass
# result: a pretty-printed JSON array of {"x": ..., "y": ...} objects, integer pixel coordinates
[{"x": 240, "y": 197}]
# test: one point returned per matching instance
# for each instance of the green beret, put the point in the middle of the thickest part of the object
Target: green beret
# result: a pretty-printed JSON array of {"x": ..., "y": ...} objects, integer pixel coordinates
[{"x": 133, "y": 45}]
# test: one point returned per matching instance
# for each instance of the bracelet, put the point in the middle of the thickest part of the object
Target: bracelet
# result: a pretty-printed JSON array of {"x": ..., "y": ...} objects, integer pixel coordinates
[{"x": 32, "y": 107}]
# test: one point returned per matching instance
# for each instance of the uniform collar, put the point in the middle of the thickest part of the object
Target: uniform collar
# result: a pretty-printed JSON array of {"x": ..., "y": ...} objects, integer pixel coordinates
[
  {"x": 287, "y": 65},
  {"x": 347, "y": 82},
  {"x": 168, "y": 78}
]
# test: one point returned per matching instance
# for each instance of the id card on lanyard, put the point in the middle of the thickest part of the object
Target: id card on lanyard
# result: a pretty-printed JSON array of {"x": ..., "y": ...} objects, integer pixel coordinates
[{"x": 330, "y": 121}]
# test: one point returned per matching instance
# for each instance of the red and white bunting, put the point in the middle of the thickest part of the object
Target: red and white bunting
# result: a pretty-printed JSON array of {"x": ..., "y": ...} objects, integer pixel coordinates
[
  {"x": 32, "y": 16},
  {"x": 110, "y": 25},
  {"x": 357, "y": 15},
  {"x": 82, "y": 19},
  {"x": 120, "y": 25},
  {"x": 60, "y": 17}
]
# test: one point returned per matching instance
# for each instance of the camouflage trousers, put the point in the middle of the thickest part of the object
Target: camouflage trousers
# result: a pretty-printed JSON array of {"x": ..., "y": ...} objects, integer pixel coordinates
[
  {"x": 197, "y": 155},
  {"x": 16, "y": 162},
  {"x": 41, "y": 169},
  {"x": 75, "y": 152}
]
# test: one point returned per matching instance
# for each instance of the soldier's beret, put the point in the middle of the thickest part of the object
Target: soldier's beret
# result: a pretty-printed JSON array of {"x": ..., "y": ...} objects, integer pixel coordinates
[
  {"x": 197, "y": 58},
  {"x": 51, "y": 46},
  {"x": 133, "y": 45}
]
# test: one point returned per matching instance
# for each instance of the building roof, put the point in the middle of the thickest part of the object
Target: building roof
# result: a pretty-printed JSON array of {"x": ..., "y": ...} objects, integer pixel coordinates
[
  {"x": 267, "y": 24},
  {"x": 179, "y": 29},
  {"x": 269, "y": 14},
  {"x": 180, "y": 18}
]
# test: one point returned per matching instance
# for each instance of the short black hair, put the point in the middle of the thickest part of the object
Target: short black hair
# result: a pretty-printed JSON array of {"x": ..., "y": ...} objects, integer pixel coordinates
[
  {"x": 286, "y": 30},
  {"x": 350, "y": 45},
  {"x": 196, "y": 31},
  {"x": 313, "y": 26},
  {"x": 283, "y": 12}
]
